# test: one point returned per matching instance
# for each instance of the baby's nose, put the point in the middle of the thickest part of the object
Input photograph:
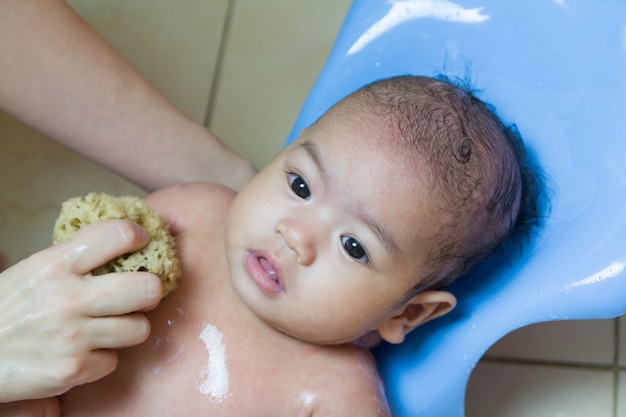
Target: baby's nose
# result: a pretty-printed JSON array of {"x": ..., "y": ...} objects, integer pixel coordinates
[{"x": 300, "y": 236}]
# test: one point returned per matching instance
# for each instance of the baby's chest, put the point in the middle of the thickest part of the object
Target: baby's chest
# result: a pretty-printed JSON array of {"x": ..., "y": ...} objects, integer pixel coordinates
[
  {"x": 217, "y": 381},
  {"x": 205, "y": 367},
  {"x": 229, "y": 382},
  {"x": 248, "y": 381}
]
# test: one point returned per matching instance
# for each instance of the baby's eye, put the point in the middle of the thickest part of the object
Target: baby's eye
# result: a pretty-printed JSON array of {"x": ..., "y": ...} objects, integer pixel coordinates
[
  {"x": 354, "y": 249},
  {"x": 299, "y": 186}
]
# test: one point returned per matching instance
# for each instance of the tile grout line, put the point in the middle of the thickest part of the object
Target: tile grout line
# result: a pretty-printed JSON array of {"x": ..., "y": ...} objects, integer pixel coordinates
[
  {"x": 614, "y": 367},
  {"x": 555, "y": 364},
  {"x": 219, "y": 64}
]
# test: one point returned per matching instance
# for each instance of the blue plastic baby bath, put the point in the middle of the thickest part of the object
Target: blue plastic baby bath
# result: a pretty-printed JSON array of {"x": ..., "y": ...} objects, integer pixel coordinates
[{"x": 556, "y": 68}]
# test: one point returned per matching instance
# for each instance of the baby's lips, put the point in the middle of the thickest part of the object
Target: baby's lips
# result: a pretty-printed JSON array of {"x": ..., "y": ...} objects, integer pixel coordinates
[
  {"x": 265, "y": 272},
  {"x": 272, "y": 271}
]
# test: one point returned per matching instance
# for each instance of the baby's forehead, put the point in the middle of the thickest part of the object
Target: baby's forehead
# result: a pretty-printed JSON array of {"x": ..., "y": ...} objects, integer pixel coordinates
[
  {"x": 359, "y": 141},
  {"x": 368, "y": 129},
  {"x": 369, "y": 168}
]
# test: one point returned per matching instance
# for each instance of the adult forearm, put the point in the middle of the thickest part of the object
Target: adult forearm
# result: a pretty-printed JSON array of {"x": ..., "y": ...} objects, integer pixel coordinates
[{"x": 60, "y": 77}]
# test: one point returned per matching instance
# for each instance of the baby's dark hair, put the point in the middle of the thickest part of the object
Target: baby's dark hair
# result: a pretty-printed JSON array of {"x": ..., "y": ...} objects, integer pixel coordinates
[{"x": 485, "y": 188}]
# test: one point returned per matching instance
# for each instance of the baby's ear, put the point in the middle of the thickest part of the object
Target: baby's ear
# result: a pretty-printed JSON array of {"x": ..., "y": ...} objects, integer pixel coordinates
[{"x": 416, "y": 311}]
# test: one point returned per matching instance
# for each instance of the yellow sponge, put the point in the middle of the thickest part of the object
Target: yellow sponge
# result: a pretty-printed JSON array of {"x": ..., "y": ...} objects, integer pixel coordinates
[{"x": 158, "y": 257}]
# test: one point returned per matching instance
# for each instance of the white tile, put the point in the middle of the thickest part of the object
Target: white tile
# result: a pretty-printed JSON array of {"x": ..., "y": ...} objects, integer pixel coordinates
[
  {"x": 174, "y": 44},
  {"x": 275, "y": 51},
  {"x": 510, "y": 390},
  {"x": 584, "y": 341}
]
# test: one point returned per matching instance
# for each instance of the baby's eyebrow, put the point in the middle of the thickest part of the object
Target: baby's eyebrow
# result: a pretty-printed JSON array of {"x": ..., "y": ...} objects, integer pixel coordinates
[
  {"x": 381, "y": 232},
  {"x": 312, "y": 150}
]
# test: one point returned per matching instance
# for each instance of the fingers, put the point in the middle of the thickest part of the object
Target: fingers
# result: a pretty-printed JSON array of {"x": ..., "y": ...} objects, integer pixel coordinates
[
  {"x": 94, "y": 366},
  {"x": 120, "y": 293},
  {"x": 117, "y": 332},
  {"x": 100, "y": 364},
  {"x": 100, "y": 242},
  {"x": 111, "y": 294}
]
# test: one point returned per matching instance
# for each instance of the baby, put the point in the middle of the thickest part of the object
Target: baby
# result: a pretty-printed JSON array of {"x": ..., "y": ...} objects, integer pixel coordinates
[{"x": 342, "y": 241}]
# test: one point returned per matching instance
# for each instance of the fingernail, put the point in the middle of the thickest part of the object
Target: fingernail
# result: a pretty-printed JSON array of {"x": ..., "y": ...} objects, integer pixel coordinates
[
  {"x": 143, "y": 232},
  {"x": 154, "y": 288}
]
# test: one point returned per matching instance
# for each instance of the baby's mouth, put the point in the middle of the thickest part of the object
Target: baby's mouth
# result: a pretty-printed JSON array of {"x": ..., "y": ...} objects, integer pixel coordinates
[
  {"x": 265, "y": 273},
  {"x": 269, "y": 269}
]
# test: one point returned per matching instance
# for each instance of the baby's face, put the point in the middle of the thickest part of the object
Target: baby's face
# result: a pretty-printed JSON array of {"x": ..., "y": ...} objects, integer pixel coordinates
[{"x": 326, "y": 240}]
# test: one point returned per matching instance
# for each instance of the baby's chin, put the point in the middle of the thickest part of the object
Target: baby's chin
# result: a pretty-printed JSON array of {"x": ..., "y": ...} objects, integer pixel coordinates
[
  {"x": 369, "y": 340},
  {"x": 323, "y": 338}
]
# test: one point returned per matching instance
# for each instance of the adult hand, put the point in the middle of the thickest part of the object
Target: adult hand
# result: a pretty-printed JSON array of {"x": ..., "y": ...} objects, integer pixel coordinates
[{"x": 58, "y": 323}]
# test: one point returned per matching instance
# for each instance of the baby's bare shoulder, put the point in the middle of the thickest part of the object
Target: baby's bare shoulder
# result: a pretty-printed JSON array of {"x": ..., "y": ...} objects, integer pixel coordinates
[
  {"x": 352, "y": 386},
  {"x": 189, "y": 204}
]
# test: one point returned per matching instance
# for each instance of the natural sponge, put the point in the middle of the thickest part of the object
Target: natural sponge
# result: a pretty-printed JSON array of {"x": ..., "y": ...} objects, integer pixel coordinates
[{"x": 158, "y": 257}]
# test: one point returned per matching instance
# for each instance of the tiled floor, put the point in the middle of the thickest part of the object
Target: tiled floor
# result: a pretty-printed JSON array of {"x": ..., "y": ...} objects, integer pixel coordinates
[{"x": 245, "y": 66}]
